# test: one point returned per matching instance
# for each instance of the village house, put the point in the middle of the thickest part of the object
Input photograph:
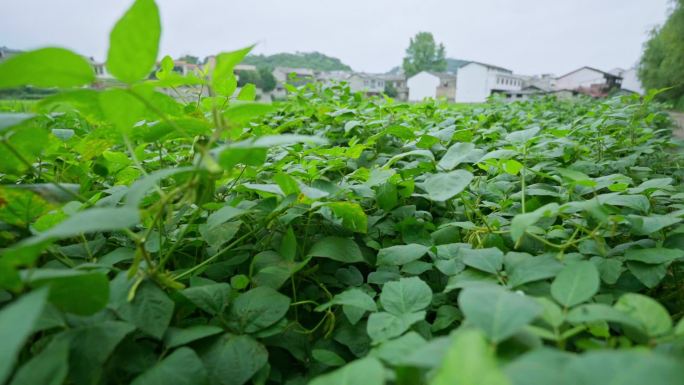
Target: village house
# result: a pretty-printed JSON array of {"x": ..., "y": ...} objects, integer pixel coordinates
[
  {"x": 6, "y": 53},
  {"x": 630, "y": 79},
  {"x": 478, "y": 81},
  {"x": 398, "y": 83},
  {"x": 366, "y": 83},
  {"x": 100, "y": 69},
  {"x": 184, "y": 68},
  {"x": 427, "y": 84},
  {"x": 545, "y": 82},
  {"x": 525, "y": 93},
  {"x": 589, "y": 81},
  {"x": 293, "y": 76},
  {"x": 369, "y": 84}
]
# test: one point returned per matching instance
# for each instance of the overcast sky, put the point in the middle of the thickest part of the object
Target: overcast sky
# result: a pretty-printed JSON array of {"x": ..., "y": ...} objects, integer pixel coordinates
[{"x": 527, "y": 36}]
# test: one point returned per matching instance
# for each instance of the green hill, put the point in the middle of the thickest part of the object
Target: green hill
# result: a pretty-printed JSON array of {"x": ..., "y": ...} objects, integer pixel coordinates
[{"x": 312, "y": 60}]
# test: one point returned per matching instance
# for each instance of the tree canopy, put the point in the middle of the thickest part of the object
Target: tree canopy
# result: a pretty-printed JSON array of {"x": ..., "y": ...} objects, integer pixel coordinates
[
  {"x": 423, "y": 54},
  {"x": 190, "y": 59},
  {"x": 662, "y": 64}
]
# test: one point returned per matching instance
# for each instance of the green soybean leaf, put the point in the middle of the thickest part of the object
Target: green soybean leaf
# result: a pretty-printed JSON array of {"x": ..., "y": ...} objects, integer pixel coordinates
[
  {"x": 538, "y": 367},
  {"x": 288, "y": 245},
  {"x": 512, "y": 166},
  {"x": 244, "y": 355},
  {"x": 624, "y": 367},
  {"x": 211, "y": 298},
  {"x": 224, "y": 65},
  {"x": 649, "y": 274},
  {"x": 533, "y": 269},
  {"x": 651, "y": 184},
  {"x": 499, "y": 313},
  {"x": 459, "y": 153},
  {"x": 142, "y": 186},
  {"x": 258, "y": 309},
  {"x": 351, "y": 297},
  {"x": 522, "y": 136},
  {"x": 576, "y": 283},
  {"x": 489, "y": 260},
  {"x": 122, "y": 109},
  {"x": 444, "y": 186},
  {"x": 407, "y": 295},
  {"x": 395, "y": 351},
  {"x": 49, "y": 367},
  {"x": 47, "y": 67},
  {"x": 642, "y": 225},
  {"x": 652, "y": 316},
  {"x": 239, "y": 114},
  {"x": 28, "y": 141},
  {"x": 636, "y": 202},
  {"x": 387, "y": 196},
  {"x": 150, "y": 310},
  {"x": 593, "y": 312},
  {"x": 222, "y": 215},
  {"x": 175, "y": 337},
  {"x": 352, "y": 215},
  {"x": 383, "y": 326},
  {"x": 355, "y": 303},
  {"x": 654, "y": 255},
  {"x": 16, "y": 324},
  {"x": 521, "y": 222},
  {"x": 247, "y": 93},
  {"x": 74, "y": 291},
  {"x": 182, "y": 367},
  {"x": 338, "y": 249},
  {"x": 92, "y": 220},
  {"x": 401, "y": 254},
  {"x": 327, "y": 357},
  {"x": 367, "y": 371},
  {"x": 470, "y": 360},
  {"x": 134, "y": 42},
  {"x": 90, "y": 346}
]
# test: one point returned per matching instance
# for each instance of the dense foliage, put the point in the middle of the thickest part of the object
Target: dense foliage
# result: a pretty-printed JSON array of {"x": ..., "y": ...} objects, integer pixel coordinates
[
  {"x": 424, "y": 54},
  {"x": 332, "y": 239},
  {"x": 262, "y": 78},
  {"x": 662, "y": 64},
  {"x": 312, "y": 60}
]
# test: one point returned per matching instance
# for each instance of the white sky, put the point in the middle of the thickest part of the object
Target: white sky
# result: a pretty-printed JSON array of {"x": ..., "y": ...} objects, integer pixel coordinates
[{"x": 528, "y": 36}]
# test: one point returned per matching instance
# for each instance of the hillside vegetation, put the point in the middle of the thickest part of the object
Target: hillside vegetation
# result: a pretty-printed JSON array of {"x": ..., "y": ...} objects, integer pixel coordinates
[
  {"x": 330, "y": 239},
  {"x": 311, "y": 60}
]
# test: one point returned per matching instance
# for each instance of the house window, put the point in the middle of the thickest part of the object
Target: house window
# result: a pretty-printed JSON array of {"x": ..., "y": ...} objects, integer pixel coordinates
[{"x": 366, "y": 83}]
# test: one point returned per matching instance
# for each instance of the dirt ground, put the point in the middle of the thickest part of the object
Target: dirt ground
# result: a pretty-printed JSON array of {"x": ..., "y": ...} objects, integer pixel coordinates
[{"x": 679, "y": 119}]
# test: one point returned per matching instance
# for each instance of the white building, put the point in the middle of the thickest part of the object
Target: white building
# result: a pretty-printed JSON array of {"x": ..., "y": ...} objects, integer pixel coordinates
[
  {"x": 478, "y": 81},
  {"x": 589, "y": 81},
  {"x": 427, "y": 84},
  {"x": 630, "y": 79}
]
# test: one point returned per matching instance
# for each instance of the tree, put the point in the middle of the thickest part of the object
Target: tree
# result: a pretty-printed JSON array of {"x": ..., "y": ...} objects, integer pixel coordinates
[
  {"x": 662, "y": 63},
  {"x": 246, "y": 76},
  {"x": 390, "y": 90},
  {"x": 189, "y": 59},
  {"x": 268, "y": 81},
  {"x": 423, "y": 54}
]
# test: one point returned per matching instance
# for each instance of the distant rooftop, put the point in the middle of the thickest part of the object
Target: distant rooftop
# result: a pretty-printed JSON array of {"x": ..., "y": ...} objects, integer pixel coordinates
[
  {"x": 593, "y": 69},
  {"x": 490, "y": 66}
]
